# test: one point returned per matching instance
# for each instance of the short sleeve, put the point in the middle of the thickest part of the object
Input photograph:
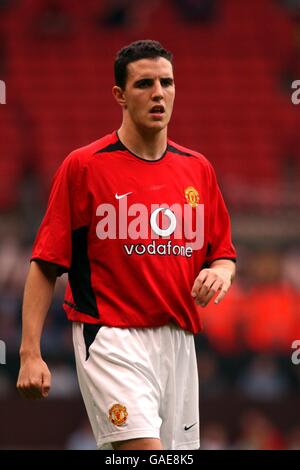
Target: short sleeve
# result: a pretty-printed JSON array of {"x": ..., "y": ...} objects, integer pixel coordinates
[
  {"x": 53, "y": 243},
  {"x": 219, "y": 231}
]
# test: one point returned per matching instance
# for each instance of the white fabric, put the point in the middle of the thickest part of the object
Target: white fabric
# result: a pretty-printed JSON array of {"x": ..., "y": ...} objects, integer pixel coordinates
[{"x": 152, "y": 372}]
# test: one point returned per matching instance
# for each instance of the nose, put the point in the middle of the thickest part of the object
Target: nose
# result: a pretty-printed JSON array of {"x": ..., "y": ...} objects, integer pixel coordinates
[{"x": 157, "y": 92}]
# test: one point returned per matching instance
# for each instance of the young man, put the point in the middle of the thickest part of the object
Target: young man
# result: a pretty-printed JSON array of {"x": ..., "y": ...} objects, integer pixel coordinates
[{"x": 139, "y": 224}]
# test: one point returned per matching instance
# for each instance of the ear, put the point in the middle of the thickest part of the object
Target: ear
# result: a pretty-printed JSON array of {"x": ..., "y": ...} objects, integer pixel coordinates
[{"x": 118, "y": 94}]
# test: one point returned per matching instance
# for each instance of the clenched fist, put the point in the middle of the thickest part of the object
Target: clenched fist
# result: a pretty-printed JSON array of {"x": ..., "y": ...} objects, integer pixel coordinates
[{"x": 34, "y": 379}]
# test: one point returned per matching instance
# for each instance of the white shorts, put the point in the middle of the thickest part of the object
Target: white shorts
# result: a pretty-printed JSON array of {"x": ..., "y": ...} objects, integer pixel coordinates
[{"x": 139, "y": 383}]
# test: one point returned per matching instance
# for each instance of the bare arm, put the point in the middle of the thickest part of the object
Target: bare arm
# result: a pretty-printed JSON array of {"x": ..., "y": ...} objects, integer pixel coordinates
[
  {"x": 34, "y": 379},
  {"x": 218, "y": 277}
]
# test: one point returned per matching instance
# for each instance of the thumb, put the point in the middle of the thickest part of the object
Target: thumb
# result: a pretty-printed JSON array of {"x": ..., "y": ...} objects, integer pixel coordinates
[{"x": 46, "y": 384}]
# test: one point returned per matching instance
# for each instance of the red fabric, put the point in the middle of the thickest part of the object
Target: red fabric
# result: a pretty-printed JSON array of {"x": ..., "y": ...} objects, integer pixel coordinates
[{"x": 133, "y": 290}]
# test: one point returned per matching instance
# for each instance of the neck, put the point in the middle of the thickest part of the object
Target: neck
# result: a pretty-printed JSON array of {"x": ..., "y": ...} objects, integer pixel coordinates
[{"x": 145, "y": 144}]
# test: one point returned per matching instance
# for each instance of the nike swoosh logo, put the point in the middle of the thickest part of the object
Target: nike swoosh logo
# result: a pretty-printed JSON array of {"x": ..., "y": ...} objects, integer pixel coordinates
[
  {"x": 186, "y": 428},
  {"x": 122, "y": 195}
]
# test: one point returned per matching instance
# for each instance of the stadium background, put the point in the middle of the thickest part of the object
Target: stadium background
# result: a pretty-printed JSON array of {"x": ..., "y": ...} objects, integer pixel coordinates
[{"x": 234, "y": 65}]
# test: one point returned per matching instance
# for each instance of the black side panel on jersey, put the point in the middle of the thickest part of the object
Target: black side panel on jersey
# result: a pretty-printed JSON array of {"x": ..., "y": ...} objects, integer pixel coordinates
[
  {"x": 89, "y": 334},
  {"x": 112, "y": 147},
  {"x": 172, "y": 149},
  {"x": 80, "y": 275}
]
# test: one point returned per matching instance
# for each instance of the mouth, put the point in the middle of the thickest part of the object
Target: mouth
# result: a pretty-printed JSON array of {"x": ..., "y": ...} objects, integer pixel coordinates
[{"x": 157, "y": 109}]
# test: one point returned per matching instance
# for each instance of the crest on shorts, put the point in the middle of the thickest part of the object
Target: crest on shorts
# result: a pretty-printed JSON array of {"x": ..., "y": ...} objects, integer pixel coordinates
[
  {"x": 118, "y": 414},
  {"x": 192, "y": 196}
]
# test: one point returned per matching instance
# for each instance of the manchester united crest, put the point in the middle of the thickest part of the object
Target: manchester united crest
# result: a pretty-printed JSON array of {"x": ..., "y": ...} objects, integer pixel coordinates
[
  {"x": 118, "y": 414},
  {"x": 192, "y": 196}
]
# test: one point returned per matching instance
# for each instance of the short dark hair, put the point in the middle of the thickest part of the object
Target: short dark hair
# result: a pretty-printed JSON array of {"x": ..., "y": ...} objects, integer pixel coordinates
[{"x": 143, "y": 49}]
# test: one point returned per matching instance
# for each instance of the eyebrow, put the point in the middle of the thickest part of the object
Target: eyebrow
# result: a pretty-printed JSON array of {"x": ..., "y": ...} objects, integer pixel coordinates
[{"x": 151, "y": 79}]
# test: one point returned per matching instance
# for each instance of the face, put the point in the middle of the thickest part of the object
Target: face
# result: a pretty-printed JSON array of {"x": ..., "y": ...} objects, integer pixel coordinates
[{"x": 149, "y": 93}]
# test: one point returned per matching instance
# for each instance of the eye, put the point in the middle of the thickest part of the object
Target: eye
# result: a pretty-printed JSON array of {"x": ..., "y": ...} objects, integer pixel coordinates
[
  {"x": 145, "y": 83},
  {"x": 166, "y": 82}
]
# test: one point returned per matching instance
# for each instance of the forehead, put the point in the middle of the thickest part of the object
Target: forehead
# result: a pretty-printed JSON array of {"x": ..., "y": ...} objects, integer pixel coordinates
[{"x": 149, "y": 68}]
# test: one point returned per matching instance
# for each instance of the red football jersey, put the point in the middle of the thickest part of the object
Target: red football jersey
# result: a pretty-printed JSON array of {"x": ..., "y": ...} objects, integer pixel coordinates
[{"x": 133, "y": 234}]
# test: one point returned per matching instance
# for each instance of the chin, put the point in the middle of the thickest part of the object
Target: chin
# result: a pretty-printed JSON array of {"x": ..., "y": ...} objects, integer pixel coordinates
[
  {"x": 156, "y": 129},
  {"x": 152, "y": 126},
  {"x": 157, "y": 125}
]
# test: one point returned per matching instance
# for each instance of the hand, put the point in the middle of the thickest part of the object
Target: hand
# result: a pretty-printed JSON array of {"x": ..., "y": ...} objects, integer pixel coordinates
[
  {"x": 34, "y": 379},
  {"x": 208, "y": 283}
]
